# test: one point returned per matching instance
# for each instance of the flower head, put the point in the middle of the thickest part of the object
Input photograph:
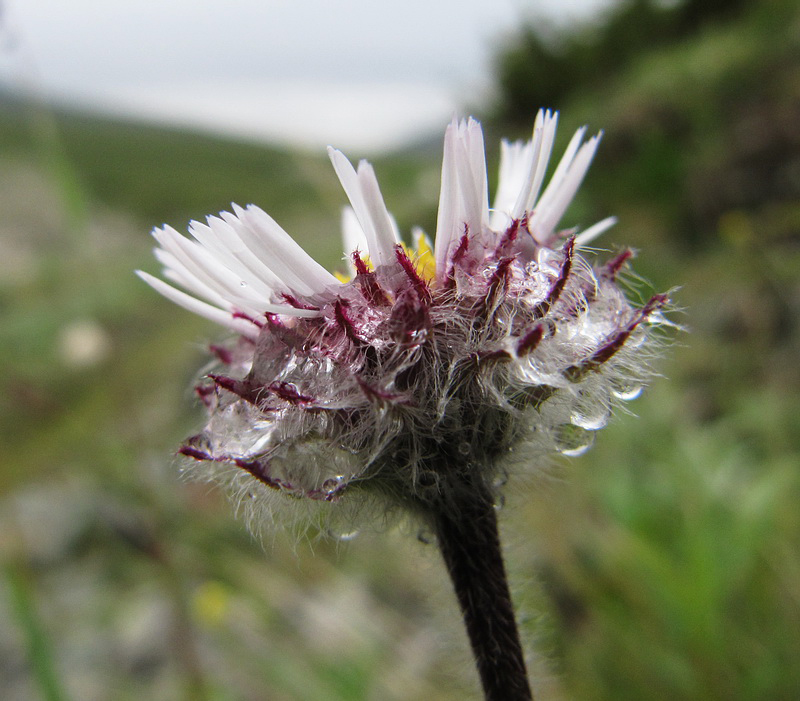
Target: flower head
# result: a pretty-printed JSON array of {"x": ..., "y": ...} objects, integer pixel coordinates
[{"x": 431, "y": 363}]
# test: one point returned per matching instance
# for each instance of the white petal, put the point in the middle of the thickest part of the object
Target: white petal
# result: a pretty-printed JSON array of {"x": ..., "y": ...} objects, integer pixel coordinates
[
  {"x": 365, "y": 196},
  {"x": 564, "y": 163},
  {"x": 385, "y": 225},
  {"x": 557, "y": 198},
  {"x": 546, "y": 133},
  {"x": 280, "y": 252},
  {"x": 221, "y": 239},
  {"x": 207, "y": 311},
  {"x": 471, "y": 171},
  {"x": 448, "y": 228},
  {"x": 463, "y": 199},
  {"x": 261, "y": 247},
  {"x": 256, "y": 310},
  {"x": 594, "y": 231},
  {"x": 522, "y": 170},
  {"x": 515, "y": 164},
  {"x": 177, "y": 272},
  {"x": 353, "y": 238},
  {"x": 196, "y": 269},
  {"x": 200, "y": 264}
]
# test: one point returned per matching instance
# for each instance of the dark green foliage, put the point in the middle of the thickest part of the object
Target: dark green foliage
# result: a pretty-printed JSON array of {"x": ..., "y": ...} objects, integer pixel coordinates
[{"x": 544, "y": 65}]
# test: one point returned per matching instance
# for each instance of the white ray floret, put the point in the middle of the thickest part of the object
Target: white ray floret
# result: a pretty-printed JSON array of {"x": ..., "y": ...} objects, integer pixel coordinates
[
  {"x": 177, "y": 272},
  {"x": 515, "y": 164},
  {"x": 588, "y": 235},
  {"x": 562, "y": 186},
  {"x": 353, "y": 238},
  {"x": 544, "y": 136},
  {"x": 365, "y": 196},
  {"x": 471, "y": 176},
  {"x": 448, "y": 228},
  {"x": 207, "y": 311},
  {"x": 464, "y": 197},
  {"x": 201, "y": 266},
  {"x": 240, "y": 264},
  {"x": 220, "y": 239},
  {"x": 279, "y": 251},
  {"x": 522, "y": 170}
]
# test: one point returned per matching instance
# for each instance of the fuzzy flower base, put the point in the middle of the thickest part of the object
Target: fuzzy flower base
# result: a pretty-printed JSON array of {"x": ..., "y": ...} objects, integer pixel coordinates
[{"x": 421, "y": 373}]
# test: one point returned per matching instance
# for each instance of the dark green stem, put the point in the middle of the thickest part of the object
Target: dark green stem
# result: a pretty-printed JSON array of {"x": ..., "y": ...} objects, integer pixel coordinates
[{"x": 470, "y": 543}]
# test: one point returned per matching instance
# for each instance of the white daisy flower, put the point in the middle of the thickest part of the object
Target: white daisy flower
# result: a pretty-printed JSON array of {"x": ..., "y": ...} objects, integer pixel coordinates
[
  {"x": 410, "y": 383},
  {"x": 500, "y": 334}
]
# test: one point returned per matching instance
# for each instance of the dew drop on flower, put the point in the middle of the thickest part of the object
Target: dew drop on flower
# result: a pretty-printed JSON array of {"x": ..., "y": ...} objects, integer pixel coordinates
[
  {"x": 627, "y": 392},
  {"x": 312, "y": 465},
  {"x": 573, "y": 440},
  {"x": 331, "y": 485},
  {"x": 343, "y": 535},
  {"x": 591, "y": 418}
]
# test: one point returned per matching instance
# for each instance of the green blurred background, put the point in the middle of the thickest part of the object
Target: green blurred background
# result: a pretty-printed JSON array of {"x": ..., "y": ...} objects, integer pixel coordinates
[{"x": 663, "y": 564}]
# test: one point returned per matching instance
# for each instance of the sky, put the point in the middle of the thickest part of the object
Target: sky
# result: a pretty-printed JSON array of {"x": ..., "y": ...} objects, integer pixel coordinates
[{"x": 358, "y": 74}]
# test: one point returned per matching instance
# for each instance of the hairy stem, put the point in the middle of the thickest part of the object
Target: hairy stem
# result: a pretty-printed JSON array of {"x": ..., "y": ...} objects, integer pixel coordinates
[{"x": 469, "y": 540}]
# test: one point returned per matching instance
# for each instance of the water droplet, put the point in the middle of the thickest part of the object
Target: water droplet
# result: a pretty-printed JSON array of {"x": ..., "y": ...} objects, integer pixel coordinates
[
  {"x": 627, "y": 392},
  {"x": 464, "y": 448},
  {"x": 573, "y": 440},
  {"x": 499, "y": 502},
  {"x": 243, "y": 283},
  {"x": 343, "y": 535},
  {"x": 333, "y": 484},
  {"x": 591, "y": 418}
]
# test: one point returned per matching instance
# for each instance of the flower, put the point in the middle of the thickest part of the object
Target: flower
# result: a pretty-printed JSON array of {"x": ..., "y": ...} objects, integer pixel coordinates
[{"x": 432, "y": 364}]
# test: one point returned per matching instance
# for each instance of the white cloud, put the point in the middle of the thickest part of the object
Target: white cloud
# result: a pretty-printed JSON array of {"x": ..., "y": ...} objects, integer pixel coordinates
[{"x": 354, "y": 116}]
